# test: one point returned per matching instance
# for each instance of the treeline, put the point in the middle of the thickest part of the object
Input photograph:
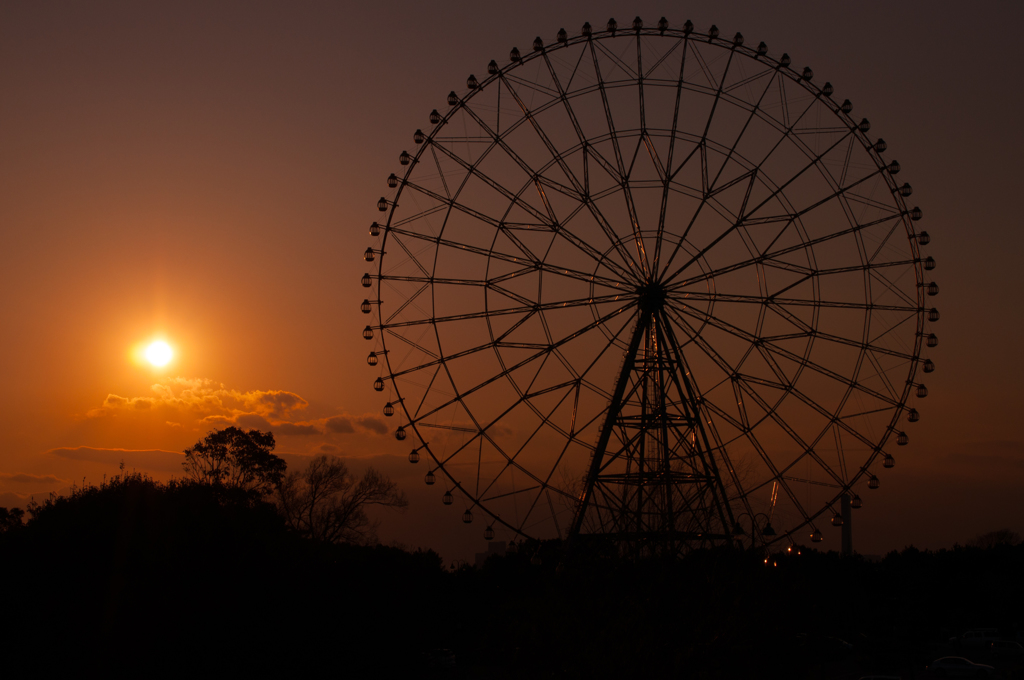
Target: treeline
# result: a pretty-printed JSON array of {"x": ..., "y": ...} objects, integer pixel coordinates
[{"x": 200, "y": 576}]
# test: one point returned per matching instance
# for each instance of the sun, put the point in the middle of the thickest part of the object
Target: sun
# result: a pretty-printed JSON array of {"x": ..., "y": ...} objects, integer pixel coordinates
[{"x": 159, "y": 353}]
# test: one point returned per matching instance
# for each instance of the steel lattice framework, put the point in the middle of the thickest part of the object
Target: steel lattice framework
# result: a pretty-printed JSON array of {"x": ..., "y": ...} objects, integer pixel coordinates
[{"x": 652, "y": 284}]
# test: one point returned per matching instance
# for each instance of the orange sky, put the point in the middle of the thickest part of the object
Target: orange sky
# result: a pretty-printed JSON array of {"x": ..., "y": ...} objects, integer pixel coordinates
[{"x": 207, "y": 174}]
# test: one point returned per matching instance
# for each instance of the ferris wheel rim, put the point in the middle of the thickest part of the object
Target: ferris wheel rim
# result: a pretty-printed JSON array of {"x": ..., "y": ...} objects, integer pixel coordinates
[{"x": 413, "y": 423}]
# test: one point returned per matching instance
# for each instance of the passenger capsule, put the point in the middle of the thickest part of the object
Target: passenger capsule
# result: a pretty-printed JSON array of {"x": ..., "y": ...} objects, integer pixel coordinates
[
  {"x": 902, "y": 439},
  {"x": 712, "y": 32},
  {"x": 418, "y": 137},
  {"x": 489, "y": 534},
  {"x": 856, "y": 502},
  {"x": 612, "y": 26},
  {"x": 514, "y": 54},
  {"x": 933, "y": 315},
  {"x": 374, "y": 229},
  {"x": 737, "y": 39},
  {"x": 906, "y": 190},
  {"x": 429, "y": 478},
  {"x": 922, "y": 391},
  {"x": 881, "y": 146},
  {"x": 846, "y": 106},
  {"x": 404, "y": 158},
  {"x": 828, "y": 90},
  {"x": 933, "y": 289},
  {"x": 785, "y": 61},
  {"x": 662, "y": 24},
  {"x": 888, "y": 462},
  {"x": 389, "y": 409},
  {"x": 414, "y": 456},
  {"x": 378, "y": 385},
  {"x": 929, "y": 366},
  {"x": 688, "y": 27},
  {"x": 400, "y": 433},
  {"x": 364, "y": 307},
  {"x": 916, "y": 214},
  {"x": 382, "y": 204},
  {"x": 587, "y": 30},
  {"x": 807, "y": 74},
  {"x": 923, "y": 238},
  {"x": 863, "y": 125},
  {"x": 816, "y": 536},
  {"x": 447, "y": 498},
  {"x": 562, "y": 37},
  {"x": 435, "y": 117},
  {"x": 894, "y": 168},
  {"x": 471, "y": 82},
  {"x": 368, "y": 333},
  {"x": 913, "y": 416},
  {"x": 762, "y": 49},
  {"x": 538, "y": 44},
  {"x": 366, "y": 281},
  {"x": 392, "y": 180},
  {"x": 872, "y": 482},
  {"x": 368, "y": 255},
  {"x": 467, "y": 517},
  {"x": 638, "y": 23},
  {"x": 837, "y": 520},
  {"x": 453, "y": 98},
  {"x": 933, "y": 340},
  {"x": 371, "y": 359}
]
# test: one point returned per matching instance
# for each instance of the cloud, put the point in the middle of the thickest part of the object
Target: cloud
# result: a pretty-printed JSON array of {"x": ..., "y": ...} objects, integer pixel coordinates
[
  {"x": 145, "y": 459},
  {"x": 296, "y": 429},
  {"x": 347, "y": 424},
  {"x": 22, "y": 478},
  {"x": 340, "y": 424},
  {"x": 17, "y": 500},
  {"x": 203, "y": 398},
  {"x": 373, "y": 424},
  {"x": 328, "y": 448}
]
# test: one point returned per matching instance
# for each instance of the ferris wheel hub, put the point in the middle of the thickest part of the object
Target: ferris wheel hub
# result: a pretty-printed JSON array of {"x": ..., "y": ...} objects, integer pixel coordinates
[{"x": 651, "y": 296}]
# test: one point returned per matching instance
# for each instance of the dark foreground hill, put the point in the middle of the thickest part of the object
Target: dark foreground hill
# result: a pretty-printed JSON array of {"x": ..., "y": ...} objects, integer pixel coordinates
[{"x": 149, "y": 579}]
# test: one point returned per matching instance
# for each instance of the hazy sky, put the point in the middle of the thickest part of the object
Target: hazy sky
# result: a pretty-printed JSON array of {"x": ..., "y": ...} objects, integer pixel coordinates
[{"x": 206, "y": 173}]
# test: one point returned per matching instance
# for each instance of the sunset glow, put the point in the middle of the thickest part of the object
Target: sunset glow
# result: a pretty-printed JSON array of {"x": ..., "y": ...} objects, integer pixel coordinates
[{"x": 159, "y": 353}]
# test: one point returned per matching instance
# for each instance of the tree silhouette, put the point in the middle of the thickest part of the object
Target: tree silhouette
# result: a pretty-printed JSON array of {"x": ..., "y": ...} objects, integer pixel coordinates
[
  {"x": 236, "y": 459},
  {"x": 326, "y": 503},
  {"x": 11, "y": 519},
  {"x": 994, "y": 538}
]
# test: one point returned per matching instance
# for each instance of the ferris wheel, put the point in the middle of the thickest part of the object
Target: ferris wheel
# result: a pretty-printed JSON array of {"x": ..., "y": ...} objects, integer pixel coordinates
[{"x": 652, "y": 284}]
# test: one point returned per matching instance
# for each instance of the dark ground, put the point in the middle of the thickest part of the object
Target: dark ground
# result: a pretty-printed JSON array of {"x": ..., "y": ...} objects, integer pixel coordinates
[{"x": 148, "y": 579}]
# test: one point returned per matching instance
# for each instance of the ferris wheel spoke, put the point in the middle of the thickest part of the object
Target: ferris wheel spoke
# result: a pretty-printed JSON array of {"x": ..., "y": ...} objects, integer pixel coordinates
[
  {"x": 619, "y": 164},
  {"x": 577, "y": 189},
  {"x": 475, "y": 214},
  {"x": 499, "y": 342},
  {"x": 770, "y": 258},
  {"x": 511, "y": 459},
  {"x": 523, "y": 362},
  {"x": 409, "y": 301},
  {"x": 663, "y": 209},
  {"x": 807, "y": 449},
  {"x": 750, "y": 118},
  {"x": 745, "y": 218},
  {"x": 486, "y": 313},
  {"x": 773, "y": 347},
  {"x": 474, "y": 170}
]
